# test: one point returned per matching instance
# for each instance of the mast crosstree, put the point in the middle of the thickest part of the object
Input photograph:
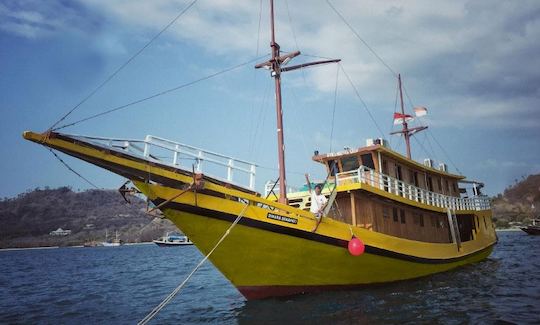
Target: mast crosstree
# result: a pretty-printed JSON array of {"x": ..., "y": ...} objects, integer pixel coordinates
[
  {"x": 275, "y": 66},
  {"x": 406, "y": 131}
]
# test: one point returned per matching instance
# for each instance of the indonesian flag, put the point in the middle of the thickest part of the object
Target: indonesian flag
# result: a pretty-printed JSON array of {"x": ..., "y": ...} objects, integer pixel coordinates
[
  {"x": 399, "y": 118},
  {"x": 420, "y": 111}
]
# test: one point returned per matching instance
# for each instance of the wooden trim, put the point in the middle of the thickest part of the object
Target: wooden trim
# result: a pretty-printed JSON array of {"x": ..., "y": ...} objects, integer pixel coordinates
[{"x": 353, "y": 209}]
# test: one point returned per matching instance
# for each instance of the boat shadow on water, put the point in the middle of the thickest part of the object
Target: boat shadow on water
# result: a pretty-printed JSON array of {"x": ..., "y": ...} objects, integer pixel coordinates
[{"x": 461, "y": 295}]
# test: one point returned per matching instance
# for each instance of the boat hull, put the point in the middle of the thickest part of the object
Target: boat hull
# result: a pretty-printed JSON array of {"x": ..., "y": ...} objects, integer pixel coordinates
[
  {"x": 168, "y": 244},
  {"x": 264, "y": 257},
  {"x": 272, "y": 250},
  {"x": 263, "y": 263},
  {"x": 531, "y": 230}
]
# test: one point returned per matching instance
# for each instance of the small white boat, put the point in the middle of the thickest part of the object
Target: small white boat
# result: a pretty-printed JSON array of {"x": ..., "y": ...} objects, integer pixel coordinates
[
  {"x": 172, "y": 240},
  {"x": 111, "y": 243}
]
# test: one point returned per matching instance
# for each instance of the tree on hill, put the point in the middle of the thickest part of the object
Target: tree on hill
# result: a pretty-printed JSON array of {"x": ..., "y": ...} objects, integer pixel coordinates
[
  {"x": 28, "y": 218},
  {"x": 519, "y": 202}
]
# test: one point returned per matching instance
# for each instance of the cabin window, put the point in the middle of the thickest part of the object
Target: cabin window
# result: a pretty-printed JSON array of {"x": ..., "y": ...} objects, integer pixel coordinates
[
  {"x": 402, "y": 213},
  {"x": 395, "y": 214},
  {"x": 434, "y": 222},
  {"x": 398, "y": 173},
  {"x": 413, "y": 177},
  {"x": 332, "y": 167},
  {"x": 447, "y": 186},
  {"x": 455, "y": 187},
  {"x": 418, "y": 219},
  {"x": 439, "y": 183},
  {"x": 367, "y": 160},
  {"x": 385, "y": 172},
  {"x": 386, "y": 212},
  {"x": 430, "y": 183},
  {"x": 349, "y": 163}
]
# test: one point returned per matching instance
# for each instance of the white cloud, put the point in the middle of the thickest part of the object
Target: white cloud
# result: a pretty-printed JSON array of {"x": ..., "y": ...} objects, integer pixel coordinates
[
  {"x": 469, "y": 61},
  {"x": 35, "y": 19}
]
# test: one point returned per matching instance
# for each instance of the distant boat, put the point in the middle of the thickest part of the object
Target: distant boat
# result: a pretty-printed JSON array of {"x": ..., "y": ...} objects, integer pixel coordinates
[
  {"x": 92, "y": 243},
  {"x": 533, "y": 229},
  {"x": 172, "y": 240},
  {"x": 111, "y": 243}
]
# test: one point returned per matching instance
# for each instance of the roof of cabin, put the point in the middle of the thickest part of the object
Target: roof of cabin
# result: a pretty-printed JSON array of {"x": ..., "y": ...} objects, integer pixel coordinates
[{"x": 322, "y": 158}]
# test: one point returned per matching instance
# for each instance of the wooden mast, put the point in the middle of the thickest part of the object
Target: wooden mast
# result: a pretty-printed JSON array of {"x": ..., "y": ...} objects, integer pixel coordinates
[
  {"x": 275, "y": 66},
  {"x": 405, "y": 125},
  {"x": 279, "y": 111},
  {"x": 406, "y": 131}
]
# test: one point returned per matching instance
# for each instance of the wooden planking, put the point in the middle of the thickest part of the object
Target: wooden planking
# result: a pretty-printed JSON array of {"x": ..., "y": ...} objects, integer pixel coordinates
[
  {"x": 438, "y": 182},
  {"x": 374, "y": 213}
]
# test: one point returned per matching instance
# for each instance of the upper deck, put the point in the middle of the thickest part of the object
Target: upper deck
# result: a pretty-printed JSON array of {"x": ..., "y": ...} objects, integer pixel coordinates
[{"x": 388, "y": 162}]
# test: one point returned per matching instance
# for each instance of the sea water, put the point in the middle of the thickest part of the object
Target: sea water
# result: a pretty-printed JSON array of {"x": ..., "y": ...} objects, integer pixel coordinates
[{"x": 120, "y": 285}]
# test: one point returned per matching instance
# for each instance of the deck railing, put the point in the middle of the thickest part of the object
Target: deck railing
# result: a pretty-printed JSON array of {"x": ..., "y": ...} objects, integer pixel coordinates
[
  {"x": 394, "y": 186},
  {"x": 271, "y": 186},
  {"x": 178, "y": 155}
]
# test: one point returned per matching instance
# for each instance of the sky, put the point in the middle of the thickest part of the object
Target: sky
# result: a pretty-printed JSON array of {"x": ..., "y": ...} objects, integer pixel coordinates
[{"x": 473, "y": 64}]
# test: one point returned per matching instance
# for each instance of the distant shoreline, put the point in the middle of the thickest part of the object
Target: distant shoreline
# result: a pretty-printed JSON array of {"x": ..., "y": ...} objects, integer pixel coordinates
[{"x": 54, "y": 247}]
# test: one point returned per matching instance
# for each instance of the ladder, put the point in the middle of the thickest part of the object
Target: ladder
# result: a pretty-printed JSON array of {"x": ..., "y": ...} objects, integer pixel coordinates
[{"x": 454, "y": 228}]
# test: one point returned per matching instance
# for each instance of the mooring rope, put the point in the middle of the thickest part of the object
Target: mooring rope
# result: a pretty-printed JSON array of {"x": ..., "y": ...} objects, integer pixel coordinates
[
  {"x": 111, "y": 76},
  {"x": 168, "y": 299}
]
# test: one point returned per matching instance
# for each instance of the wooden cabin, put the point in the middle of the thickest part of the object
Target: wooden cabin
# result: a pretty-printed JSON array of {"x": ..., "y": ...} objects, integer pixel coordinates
[{"x": 381, "y": 190}]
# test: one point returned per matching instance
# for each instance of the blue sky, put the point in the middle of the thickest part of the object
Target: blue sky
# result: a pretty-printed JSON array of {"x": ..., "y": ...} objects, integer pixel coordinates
[{"x": 473, "y": 64}]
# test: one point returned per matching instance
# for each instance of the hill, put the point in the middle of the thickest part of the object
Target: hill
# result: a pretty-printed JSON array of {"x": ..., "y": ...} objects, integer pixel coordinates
[
  {"x": 27, "y": 219},
  {"x": 519, "y": 203}
]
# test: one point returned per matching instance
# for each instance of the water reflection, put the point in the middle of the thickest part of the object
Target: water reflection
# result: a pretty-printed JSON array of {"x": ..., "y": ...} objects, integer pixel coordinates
[{"x": 458, "y": 296}]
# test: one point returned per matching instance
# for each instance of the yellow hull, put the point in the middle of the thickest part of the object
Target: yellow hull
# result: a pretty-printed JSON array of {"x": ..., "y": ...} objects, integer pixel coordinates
[
  {"x": 272, "y": 250},
  {"x": 263, "y": 257}
]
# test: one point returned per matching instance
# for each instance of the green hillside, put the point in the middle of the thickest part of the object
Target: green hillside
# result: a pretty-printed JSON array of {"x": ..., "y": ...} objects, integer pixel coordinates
[
  {"x": 26, "y": 220},
  {"x": 519, "y": 203}
]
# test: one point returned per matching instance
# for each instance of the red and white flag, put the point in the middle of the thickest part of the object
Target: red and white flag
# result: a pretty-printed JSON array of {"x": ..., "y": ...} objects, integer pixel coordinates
[
  {"x": 399, "y": 118},
  {"x": 420, "y": 111}
]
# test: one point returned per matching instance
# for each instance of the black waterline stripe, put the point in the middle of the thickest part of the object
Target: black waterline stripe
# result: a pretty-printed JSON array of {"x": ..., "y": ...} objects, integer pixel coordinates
[
  {"x": 135, "y": 173},
  {"x": 305, "y": 234}
]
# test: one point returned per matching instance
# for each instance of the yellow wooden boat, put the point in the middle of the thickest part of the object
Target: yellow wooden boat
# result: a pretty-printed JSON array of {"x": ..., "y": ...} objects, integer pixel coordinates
[{"x": 411, "y": 217}]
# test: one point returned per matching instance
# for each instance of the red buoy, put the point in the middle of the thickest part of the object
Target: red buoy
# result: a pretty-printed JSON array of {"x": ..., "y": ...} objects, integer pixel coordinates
[{"x": 356, "y": 246}]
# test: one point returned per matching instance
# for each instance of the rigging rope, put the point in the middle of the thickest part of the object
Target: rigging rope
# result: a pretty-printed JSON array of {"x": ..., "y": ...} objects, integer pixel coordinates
[
  {"x": 124, "y": 65},
  {"x": 302, "y": 69},
  {"x": 71, "y": 169},
  {"x": 432, "y": 136},
  {"x": 168, "y": 299},
  {"x": 157, "y": 94},
  {"x": 362, "y": 101},
  {"x": 361, "y": 39},
  {"x": 254, "y": 84},
  {"x": 334, "y": 109},
  {"x": 445, "y": 153}
]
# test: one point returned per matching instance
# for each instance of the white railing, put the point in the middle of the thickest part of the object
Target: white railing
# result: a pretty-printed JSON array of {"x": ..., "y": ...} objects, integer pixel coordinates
[
  {"x": 392, "y": 185},
  {"x": 178, "y": 155},
  {"x": 271, "y": 186}
]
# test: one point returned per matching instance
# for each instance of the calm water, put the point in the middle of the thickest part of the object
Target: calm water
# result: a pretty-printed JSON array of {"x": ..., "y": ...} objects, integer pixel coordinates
[{"x": 121, "y": 285}]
